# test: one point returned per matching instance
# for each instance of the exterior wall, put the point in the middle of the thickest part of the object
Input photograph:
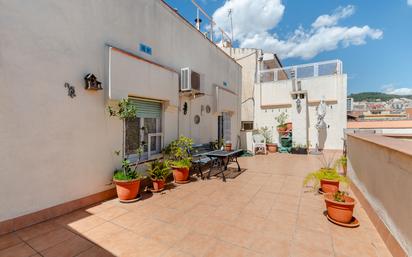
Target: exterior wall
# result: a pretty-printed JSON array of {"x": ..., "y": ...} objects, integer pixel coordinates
[
  {"x": 272, "y": 98},
  {"x": 248, "y": 59},
  {"x": 56, "y": 149},
  {"x": 386, "y": 178}
]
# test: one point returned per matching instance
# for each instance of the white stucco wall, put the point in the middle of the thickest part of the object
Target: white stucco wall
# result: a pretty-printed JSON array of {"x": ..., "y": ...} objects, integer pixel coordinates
[
  {"x": 55, "y": 149},
  {"x": 272, "y": 98}
]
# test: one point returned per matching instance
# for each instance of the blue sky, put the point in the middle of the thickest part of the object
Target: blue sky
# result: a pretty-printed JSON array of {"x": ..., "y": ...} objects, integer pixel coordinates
[{"x": 373, "y": 38}]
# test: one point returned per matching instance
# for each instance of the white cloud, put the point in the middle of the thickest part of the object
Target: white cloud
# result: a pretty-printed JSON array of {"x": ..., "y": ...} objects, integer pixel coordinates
[
  {"x": 331, "y": 20},
  {"x": 253, "y": 20},
  {"x": 410, "y": 2},
  {"x": 250, "y": 17},
  {"x": 390, "y": 89}
]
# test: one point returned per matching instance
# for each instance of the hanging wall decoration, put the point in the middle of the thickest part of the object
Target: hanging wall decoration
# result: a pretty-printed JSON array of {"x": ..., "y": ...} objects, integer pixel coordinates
[
  {"x": 71, "y": 91},
  {"x": 92, "y": 83},
  {"x": 185, "y": 108},
  {"x": 197, "y": 119}
]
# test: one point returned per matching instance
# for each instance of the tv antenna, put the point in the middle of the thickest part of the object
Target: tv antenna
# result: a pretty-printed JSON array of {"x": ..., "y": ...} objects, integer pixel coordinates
[{"x": 231, "y": 21}]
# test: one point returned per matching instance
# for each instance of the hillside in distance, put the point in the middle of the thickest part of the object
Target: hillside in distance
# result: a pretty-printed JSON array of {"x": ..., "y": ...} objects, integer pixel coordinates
[{"x": 374, "y": 96}]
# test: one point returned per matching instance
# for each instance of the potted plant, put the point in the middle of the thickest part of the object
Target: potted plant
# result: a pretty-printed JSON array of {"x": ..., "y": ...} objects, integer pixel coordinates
[
  {"x": 299, "y": 149},
  {"x": 343, "y": 162},
  {"x": 339, "y": 206},
  {"x": 281, "y": 120},
  {"x": 127, "y": 180},
  {"x": 228, "y": 146},
  {"x": 267, "y": 134},
  {"x": 178, "y": 152},
  {"x": 158, "y": 171},
  {"x": 327, "y": 176}
]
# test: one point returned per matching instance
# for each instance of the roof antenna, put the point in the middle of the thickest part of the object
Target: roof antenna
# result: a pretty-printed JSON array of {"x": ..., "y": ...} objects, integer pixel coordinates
[{"x": 231, "y": 21}]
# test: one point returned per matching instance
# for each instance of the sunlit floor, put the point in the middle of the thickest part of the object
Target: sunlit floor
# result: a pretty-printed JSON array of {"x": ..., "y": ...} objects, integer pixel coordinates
[{"x": 265, "y": 211}]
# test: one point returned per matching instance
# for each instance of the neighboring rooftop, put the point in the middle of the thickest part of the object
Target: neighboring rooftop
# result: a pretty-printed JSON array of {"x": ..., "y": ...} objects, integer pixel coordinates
[{"x": 387, "y": 124}]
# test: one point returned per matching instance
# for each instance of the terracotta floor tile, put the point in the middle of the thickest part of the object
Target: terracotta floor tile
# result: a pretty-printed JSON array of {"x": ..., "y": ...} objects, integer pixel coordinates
[
  {"x": 208, "y": 226},
  {"x": 38, "y": 229},
  {"x": 173, "y": 252},
  {"x": 353, "y": 247},
  {"x": 50, "y": 239},
  {"x": 96, "y": 251},
  {"x": 100, "y": 207},
  {"x": 19, "y": 250},
  {"x": 9, "y": 240},
  {"x": 129, "y": 219},
  {"x": 111, "y": 213},
  {"x": 68, "y": 248},
  {"x": 101, "y": 232},
  {"x": 304, "y": 250},
  {"x": 317, "y": 222},
  {"x": 313, "y": 239},
  {"x": 123, "y": 243},
  {"x": 265, "y": 211},
  {"x": 228, "y": 250},
  {"x": 168, "y": 234},
  {"x": 150, "y": 247},
  {"x": 84, "y": 224},
  {"x": 271, "y": 245},
  {"x": 196, "y": 244},
  {"x": 236, "y": 236}
]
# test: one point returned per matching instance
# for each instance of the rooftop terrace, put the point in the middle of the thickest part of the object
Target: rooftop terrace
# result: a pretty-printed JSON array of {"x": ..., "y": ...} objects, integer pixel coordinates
[{"x": 265, "y": 211}]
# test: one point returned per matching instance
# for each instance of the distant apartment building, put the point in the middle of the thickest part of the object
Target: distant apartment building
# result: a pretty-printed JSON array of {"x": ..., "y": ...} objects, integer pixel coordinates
[
  {"x": 349, "y": 104},
  {"x": 268, "y": 89}
]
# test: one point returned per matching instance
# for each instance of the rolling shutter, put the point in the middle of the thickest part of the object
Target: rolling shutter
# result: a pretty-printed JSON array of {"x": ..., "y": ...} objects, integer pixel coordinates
[{"x": 147, "y": 109}]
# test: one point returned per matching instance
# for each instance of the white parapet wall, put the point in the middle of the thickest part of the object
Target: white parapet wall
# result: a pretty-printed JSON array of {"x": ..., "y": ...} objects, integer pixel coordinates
[
  {"x": 274, "y": 97},
  {"x": 381, "y": 168}
]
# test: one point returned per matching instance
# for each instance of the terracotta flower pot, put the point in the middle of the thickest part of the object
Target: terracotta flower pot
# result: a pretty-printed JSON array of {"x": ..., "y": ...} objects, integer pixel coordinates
[
  {"x": 158, "y": 185},
  {"x": 272, "y": 148},
  {"x": 289, "y": 126},
  {"x": 180, "y": 174},
  {"x": 228, "y": 147},
  {"x": 340, "y": 211},
  {"x": 329, "y": 186},
  {"x": 127, "y": 189}
]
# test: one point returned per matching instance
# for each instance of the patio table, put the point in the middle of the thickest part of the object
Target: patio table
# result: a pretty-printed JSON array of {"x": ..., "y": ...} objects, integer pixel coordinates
[{"x": 220, "y": 159}]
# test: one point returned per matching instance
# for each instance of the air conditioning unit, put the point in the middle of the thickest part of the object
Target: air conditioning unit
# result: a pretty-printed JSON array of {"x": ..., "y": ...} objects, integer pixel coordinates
[{"x": 189, "y": 80}]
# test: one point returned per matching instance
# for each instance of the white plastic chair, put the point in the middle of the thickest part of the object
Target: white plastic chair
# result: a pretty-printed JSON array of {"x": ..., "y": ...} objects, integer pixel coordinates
[{"x": 259, "y": 144}]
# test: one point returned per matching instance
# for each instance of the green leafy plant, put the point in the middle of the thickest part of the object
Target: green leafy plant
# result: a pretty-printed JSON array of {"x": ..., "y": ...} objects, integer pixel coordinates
[
  {"x": 266, "y": 133},
  {"x": 126, "y": 173},
  {"x": 327, "y": 171},
  {"x": 159, "y": 170},
  {"x": 343, "y": 160},
  {"x": 179, "y": 152},
  {"x": 281, "y": 119},
  {"x": 216, "y": 145},
  {"x": 125, "y": 109},
  {"x": 339, "y": 196}
]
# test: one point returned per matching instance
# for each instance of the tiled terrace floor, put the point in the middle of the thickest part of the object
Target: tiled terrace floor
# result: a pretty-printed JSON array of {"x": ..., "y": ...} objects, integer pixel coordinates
[{"x": 263, "y": 212}]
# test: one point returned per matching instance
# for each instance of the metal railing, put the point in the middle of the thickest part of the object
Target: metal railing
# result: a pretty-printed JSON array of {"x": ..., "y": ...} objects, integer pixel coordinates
[{"x": 334, "y": 67}]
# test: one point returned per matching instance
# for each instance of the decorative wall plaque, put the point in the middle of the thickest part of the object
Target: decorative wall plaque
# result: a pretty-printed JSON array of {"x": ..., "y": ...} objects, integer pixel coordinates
[
  {"x": 197, "y": 119},
  {"x": 71, "y": 91}
]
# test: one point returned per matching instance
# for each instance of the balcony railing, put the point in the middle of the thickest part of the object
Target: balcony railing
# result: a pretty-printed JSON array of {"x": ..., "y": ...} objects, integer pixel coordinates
[{"x": 302, "y": 71}]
